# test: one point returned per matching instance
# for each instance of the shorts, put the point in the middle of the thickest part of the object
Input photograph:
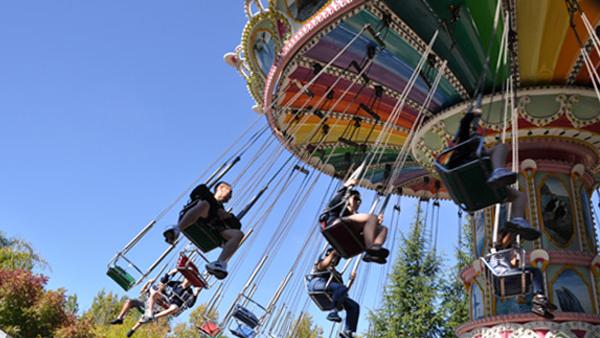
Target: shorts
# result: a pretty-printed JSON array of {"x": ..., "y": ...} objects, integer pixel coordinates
[{"x": 138, "y": 304}]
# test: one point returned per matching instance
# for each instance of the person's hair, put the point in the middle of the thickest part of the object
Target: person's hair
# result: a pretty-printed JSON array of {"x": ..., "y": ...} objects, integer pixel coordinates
[
  {"x": 221, "y": 183},
  {"x": 354, "y": 192}
]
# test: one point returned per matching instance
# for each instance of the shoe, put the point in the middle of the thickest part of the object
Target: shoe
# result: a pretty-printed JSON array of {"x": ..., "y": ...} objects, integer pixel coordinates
[
  {"x": 346, "y": 334},
  {"x": 117, "y": 321},
  {"x": 501, "y": 177},
  {"x": 333, "y": 316},
  {"x": 130, "y": 332},
  {"x": 542, "y": 312},
  {"x": 146, "y": 319},
  {"x": 541, "y": 300},
  {"x": 368, "y": 258},
  {"x": 542, "y": 307},
  {"x": 171, "y": 234},
  {"x": 217, "y": 269},
  {"x": 520, "y": 226},
  {"x": 378, "y": 250}
]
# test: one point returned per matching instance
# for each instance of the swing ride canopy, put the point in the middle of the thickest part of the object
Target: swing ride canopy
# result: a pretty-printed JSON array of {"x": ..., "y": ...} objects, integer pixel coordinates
[{"x": 338, "y": 114}]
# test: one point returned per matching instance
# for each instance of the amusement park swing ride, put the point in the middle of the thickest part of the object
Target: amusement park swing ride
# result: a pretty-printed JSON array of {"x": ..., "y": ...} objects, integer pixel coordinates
[{"x": 375, "y": 91}]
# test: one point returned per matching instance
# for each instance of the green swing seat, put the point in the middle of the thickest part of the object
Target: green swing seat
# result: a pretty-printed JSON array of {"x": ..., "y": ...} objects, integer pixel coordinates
[
  {"x": 203, "y": 236},
  {"x": 467, "y": 182},
  {"x": 121, "y": 277}
]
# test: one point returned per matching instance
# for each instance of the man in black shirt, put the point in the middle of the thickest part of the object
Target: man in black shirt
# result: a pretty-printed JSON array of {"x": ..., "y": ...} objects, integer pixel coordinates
[
  {"x": 343, "y": 207},
  {"x": 208, "y": 207}
]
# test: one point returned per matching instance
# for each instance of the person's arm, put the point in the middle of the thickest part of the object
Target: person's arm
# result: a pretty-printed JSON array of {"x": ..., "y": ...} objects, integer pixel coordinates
[
  {"x": 325, "y": 263},
  {"x": 466, "y": 124},
  {"x": 352, "y": 279}
]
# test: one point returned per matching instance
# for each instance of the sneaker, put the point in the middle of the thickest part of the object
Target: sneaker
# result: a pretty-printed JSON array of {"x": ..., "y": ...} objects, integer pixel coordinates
[
  {"x": 130, "y": 332},
  {"x": 171, "y": 234},
  {"x": 146, "y": 319},
  {"x": 368, "y": 258},
  {"x": 542, "y": 312},
  {"x": 501, "y": 177},
  {"x": 378, "y": 251},
  {"x": 542, "y": 307},
  {"x": 346, "y": 334},
  {"x": 520, "y": 226},
  {"x": 217, "y": 269},
  {"x": 540, "y": 299},
  {"x": 117, "y": 321},
  {"x": 333, "y": 316}
]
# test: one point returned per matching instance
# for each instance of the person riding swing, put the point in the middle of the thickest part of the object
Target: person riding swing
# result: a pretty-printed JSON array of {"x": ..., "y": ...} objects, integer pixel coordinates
[
  {"x": 343, "y": 208},
  {"x": 501, "y": 264},
  {"x": 321, "y": 279},
  {"x": 500, "y": 176},
  {"x": 209, "y": 208},
  {"x": 173, "y": 295}
]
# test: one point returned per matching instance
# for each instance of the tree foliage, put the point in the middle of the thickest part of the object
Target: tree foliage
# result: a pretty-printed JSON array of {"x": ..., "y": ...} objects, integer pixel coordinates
[
  {"x": 18, "y": 254},
  {"x": 410, "y": 301},
  {"x": 454, "y": 295},
  {"x": 304, "y": 328},
  {"x": 28, "y": 310}
]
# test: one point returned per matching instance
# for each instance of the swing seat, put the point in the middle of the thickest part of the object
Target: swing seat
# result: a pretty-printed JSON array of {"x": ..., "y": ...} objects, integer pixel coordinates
[
  {"x": 243, "y": 331},
  {"x": 467, "y": 182},
  {"x": 121, "y": 277},
  {"x": 322, "y": 298},
  {"x": 203, "y": 236},
  {"x": 344, "y": 239},
  {"x": 189, "y": 270},
  {"x": 511, "y": 282},
  {"x": 246, "y": 316},
  {"x": 210, "y": 329}
]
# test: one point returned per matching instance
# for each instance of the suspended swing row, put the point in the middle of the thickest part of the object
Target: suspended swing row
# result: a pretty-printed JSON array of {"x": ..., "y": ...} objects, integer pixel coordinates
[{"x": 232, "y": 208}]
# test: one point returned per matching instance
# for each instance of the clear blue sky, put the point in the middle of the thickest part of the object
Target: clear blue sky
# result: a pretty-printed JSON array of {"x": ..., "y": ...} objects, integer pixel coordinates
[{"x": 108, "y": 110}]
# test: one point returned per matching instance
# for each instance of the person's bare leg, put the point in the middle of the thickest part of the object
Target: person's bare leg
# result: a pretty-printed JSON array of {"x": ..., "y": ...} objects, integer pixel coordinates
[
  {"x": 233, "y": 238},
  {"x": 152, "y": 298},
  {"x": 128, "y": 305},
  {"x": 498, "y": 155},
  {"x": 518, "y": 201},
  {"x": 137, "y": 326},
  {"x": 172, "y": 309},
  {"x": 200, "y": 210},
  {"x": 382, "y": 233},
  {"x": 367, "y": 222}
]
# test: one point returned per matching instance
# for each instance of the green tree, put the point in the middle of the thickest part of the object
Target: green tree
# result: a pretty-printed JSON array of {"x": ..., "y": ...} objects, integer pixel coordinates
[
  {"x": 409, "y": 305},
  {"x": 304, "y": 328},
  {"x": 454, "y": 295},
  {"x": 18, "y": 254},
  {"x": 27, "y": 309}
]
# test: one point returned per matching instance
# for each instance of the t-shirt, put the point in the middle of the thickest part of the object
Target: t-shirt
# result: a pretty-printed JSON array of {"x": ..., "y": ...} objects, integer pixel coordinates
[
  {"x": 179, "y": 295},
  {"x": 336, "y": 207}
]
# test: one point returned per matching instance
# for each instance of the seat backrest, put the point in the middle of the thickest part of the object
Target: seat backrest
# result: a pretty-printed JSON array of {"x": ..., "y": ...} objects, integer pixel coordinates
[
  {"x": 507, "y": 280},
  {"x": 203, "y": 236},
  {"x": 121, "y": 277},
  {"x": 243, "y": 331},
  {"x": 246, "y": 316},
  {"x": 467, "y": 183},
  {"x": 322, "y": 299},
  {"x": 189, "y": 270},
  {"x": 344, "y": 239},
  {"x": 210, "y": 328}
]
